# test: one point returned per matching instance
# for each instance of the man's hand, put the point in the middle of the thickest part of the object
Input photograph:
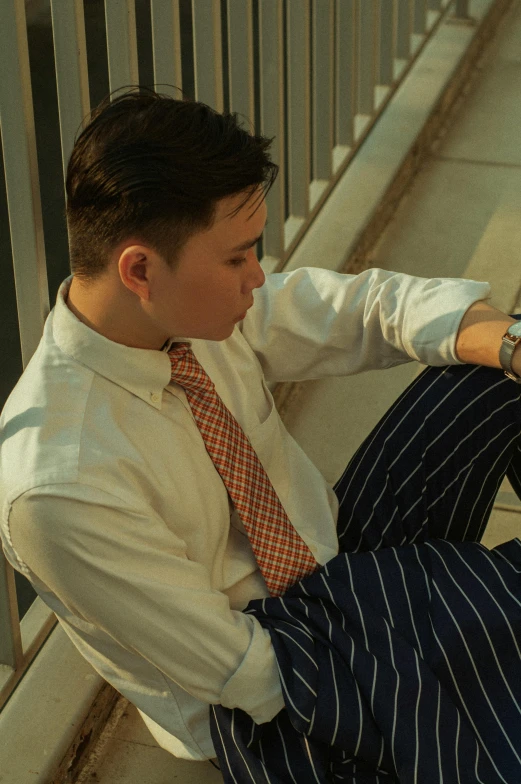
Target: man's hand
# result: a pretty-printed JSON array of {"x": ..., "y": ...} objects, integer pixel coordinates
[{"x": 479, "y": 337}]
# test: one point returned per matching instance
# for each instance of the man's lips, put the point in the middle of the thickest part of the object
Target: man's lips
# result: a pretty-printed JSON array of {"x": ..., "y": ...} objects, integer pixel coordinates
[{"x": 243, "y": 315}]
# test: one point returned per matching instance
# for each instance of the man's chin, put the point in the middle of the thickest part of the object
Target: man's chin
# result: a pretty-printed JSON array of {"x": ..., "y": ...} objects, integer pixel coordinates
[{"x": 219, "y": 336}]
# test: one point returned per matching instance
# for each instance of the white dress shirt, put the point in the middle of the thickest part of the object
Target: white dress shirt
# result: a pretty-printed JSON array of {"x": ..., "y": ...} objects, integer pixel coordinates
[{"x": 113, "y": 509}]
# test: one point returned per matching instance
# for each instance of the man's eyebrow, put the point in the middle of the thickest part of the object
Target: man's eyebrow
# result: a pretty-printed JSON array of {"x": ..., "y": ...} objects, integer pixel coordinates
[{"x": 249, "y": 243}]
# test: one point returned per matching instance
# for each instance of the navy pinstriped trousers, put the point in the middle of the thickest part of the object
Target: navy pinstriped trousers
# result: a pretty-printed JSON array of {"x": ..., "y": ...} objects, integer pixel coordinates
[{"x": 400, "y": 659}]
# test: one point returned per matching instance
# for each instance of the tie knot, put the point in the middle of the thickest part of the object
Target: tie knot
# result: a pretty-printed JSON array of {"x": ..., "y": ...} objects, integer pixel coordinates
[{"x": 187, "y": 371}]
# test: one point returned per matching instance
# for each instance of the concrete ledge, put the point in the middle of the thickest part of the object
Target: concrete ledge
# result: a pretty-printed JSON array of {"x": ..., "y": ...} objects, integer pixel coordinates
[
  {"x": 498, "y": 252},
  {"x": 60, "y": 705},
  {"x": 494, "y": 260}
]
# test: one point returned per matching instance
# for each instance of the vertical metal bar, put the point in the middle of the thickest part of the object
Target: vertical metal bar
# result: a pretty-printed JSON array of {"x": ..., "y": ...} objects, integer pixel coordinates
[
  {"x": 208, "y": 57},
  {"x": 322, "y": 85},
  {"x": 367, "y": 56},
  {"x": 347, "y": 70},
  {"x": 240, "y": 58},
  {"x": 299, "y": 158},
  {"x": 420, "y": 16},
  {"x": 166, "y": 47},
  {"x": 462, "y": 9},
  {"x": 21, "y": 176},
  {"x": 271, "y": 72},
  {"x": 72, "y": 77},
  {"x": 404, "y": 29},
  {"x": 26, "y": 228},
  {"x": 10, "y": 637},
  {"x": 120, "y": 17},
  {"x": 387, "y": 41}
]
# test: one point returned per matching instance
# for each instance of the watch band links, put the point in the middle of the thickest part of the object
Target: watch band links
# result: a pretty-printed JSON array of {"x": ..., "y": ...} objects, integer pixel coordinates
[{"x": 505, "y": 356}]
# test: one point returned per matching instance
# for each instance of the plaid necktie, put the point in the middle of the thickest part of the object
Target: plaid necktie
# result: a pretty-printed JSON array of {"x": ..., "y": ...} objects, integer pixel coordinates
[{"x": 282, "y": 555}]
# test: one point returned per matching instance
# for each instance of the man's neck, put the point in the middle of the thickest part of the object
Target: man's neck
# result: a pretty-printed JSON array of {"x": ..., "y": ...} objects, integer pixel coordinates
[{"x": 113, "y": 314}]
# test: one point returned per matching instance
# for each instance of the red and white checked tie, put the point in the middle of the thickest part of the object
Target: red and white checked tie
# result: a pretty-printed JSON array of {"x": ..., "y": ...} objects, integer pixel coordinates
[{"x": 282, "y": 555}]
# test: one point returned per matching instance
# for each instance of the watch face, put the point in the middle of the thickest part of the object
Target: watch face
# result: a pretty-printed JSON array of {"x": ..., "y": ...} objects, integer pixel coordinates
[{"x": 515, "y": 329}]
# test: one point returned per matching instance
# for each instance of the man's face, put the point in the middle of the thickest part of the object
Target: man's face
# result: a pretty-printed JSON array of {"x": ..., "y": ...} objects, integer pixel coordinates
[{"x": 211, "y": 288}]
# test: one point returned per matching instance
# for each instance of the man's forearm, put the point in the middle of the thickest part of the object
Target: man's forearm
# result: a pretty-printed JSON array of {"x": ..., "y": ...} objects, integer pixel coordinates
[{"x": 479, "y": 337}]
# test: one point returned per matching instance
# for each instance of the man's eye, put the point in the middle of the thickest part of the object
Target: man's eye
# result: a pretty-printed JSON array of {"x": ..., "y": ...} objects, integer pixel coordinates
[{"x": 237, "y": 262}]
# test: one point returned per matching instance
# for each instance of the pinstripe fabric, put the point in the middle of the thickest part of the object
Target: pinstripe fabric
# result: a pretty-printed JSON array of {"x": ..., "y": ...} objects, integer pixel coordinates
[
  {"x": 400, "y": 659},
  {"x": 281, "y": 553}
]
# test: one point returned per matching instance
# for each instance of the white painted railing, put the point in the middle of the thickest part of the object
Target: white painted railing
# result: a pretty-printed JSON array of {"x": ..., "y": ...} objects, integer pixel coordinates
[{"x": 323, "y": 70}]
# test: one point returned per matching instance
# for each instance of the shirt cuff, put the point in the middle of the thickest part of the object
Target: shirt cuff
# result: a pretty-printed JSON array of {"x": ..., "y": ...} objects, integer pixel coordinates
[
  {"x": 255, "y": 686},
  {"x": 434, "y": 326}
]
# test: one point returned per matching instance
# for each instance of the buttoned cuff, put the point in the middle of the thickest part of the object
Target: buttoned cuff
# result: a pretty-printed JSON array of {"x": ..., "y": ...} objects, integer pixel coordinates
[
  {"x": 434, "y": 321},
  {"x": 255, "y": 686}
]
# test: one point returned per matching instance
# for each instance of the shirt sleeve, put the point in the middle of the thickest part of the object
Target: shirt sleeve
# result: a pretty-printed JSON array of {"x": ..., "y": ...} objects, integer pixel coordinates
[
  {"x": 313, "y": 323},
  {"x": 121, "y": 569}
]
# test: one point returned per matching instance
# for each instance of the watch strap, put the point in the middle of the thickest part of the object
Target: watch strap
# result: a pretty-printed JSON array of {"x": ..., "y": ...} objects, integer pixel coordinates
[{"x": 506, "y": 351}]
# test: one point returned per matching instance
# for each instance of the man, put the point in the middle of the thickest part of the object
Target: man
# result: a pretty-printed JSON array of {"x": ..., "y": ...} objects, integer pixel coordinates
[{"x": 117, "y": 508}]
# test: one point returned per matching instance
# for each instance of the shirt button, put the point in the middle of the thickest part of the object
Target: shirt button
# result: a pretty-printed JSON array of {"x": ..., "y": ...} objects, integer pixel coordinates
[{"x": 155, "y": 398}]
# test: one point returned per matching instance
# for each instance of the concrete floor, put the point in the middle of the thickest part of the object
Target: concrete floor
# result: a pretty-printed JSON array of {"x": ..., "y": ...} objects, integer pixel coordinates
[{"x": 435, "y": 232}]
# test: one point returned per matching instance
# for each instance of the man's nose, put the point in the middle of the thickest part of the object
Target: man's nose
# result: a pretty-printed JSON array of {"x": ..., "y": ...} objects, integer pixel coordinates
[
  {"x": 256, "y": 277},
  {"x": 260, "y": 276}
]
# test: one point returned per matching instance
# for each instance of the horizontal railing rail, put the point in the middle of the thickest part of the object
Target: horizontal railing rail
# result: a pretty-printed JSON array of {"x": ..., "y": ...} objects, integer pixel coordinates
[{"x": 313, "y": 74}]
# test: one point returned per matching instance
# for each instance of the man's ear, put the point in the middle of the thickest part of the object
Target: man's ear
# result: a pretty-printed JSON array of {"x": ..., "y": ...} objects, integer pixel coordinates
[{"x": 135, "y": 269}]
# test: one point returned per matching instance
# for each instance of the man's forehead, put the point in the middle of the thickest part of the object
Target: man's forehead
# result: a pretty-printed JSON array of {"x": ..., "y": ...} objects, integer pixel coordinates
[
  {"x": 240, "y": 205},
  {"x": 235, "y": 229},
  {"x": 247, "y": 221}
]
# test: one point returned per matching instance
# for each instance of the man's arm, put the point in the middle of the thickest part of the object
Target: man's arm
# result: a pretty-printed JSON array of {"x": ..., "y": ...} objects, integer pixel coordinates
[
  {"x": 479, "y": 337},
  {"x": 116, "y": 565},
  {"x": 314, "y": 323}
]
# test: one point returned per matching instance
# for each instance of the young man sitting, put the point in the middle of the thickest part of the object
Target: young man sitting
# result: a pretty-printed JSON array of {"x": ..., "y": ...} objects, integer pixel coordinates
[{"x": 149, "y": 487}]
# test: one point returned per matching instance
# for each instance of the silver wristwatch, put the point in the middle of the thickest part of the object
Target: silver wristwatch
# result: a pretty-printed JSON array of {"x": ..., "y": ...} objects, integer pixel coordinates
[{"x": 510, "y": 340}]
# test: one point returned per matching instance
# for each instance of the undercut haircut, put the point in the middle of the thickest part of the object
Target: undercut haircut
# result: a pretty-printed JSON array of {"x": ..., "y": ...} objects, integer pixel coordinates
[{"x": 150, "y": 167}]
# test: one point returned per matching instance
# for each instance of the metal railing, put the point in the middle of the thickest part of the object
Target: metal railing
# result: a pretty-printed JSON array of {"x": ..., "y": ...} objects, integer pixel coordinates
[
  {"x": 462, "y": 9},
  {"x": 314, "y": 74}
]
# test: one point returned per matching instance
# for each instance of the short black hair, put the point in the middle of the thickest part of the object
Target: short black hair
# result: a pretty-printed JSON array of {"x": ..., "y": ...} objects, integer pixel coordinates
[{"x": 153, "y": 167}]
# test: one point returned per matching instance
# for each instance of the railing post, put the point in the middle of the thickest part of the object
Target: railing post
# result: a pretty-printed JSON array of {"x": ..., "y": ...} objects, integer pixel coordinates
[
  {"x": 120, "y": 23},
  {"x": 404, "y": 29},
  {"x": 10, "y": 637},
  {"x": 208, "y": 54},
  {"x": 271, "y": 73},
  {"x": 387, "y": 42},
  {"x": 461, "y": 10},
  {"x": 346, "y": 84},
  {"x": 241, "y": 66},
  {"x": 322, "y": 87},
  {"x": 298, "y": 21},
  {"x": 367, "y": 56},
  {"x": 166, "y": 48},
  {"x": 72, "y": 78},
  {"x": 22, "y": 178}
]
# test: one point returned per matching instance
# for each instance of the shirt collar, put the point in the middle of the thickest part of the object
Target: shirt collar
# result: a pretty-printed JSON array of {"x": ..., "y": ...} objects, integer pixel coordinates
[{"x": 143, "y": 372}]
